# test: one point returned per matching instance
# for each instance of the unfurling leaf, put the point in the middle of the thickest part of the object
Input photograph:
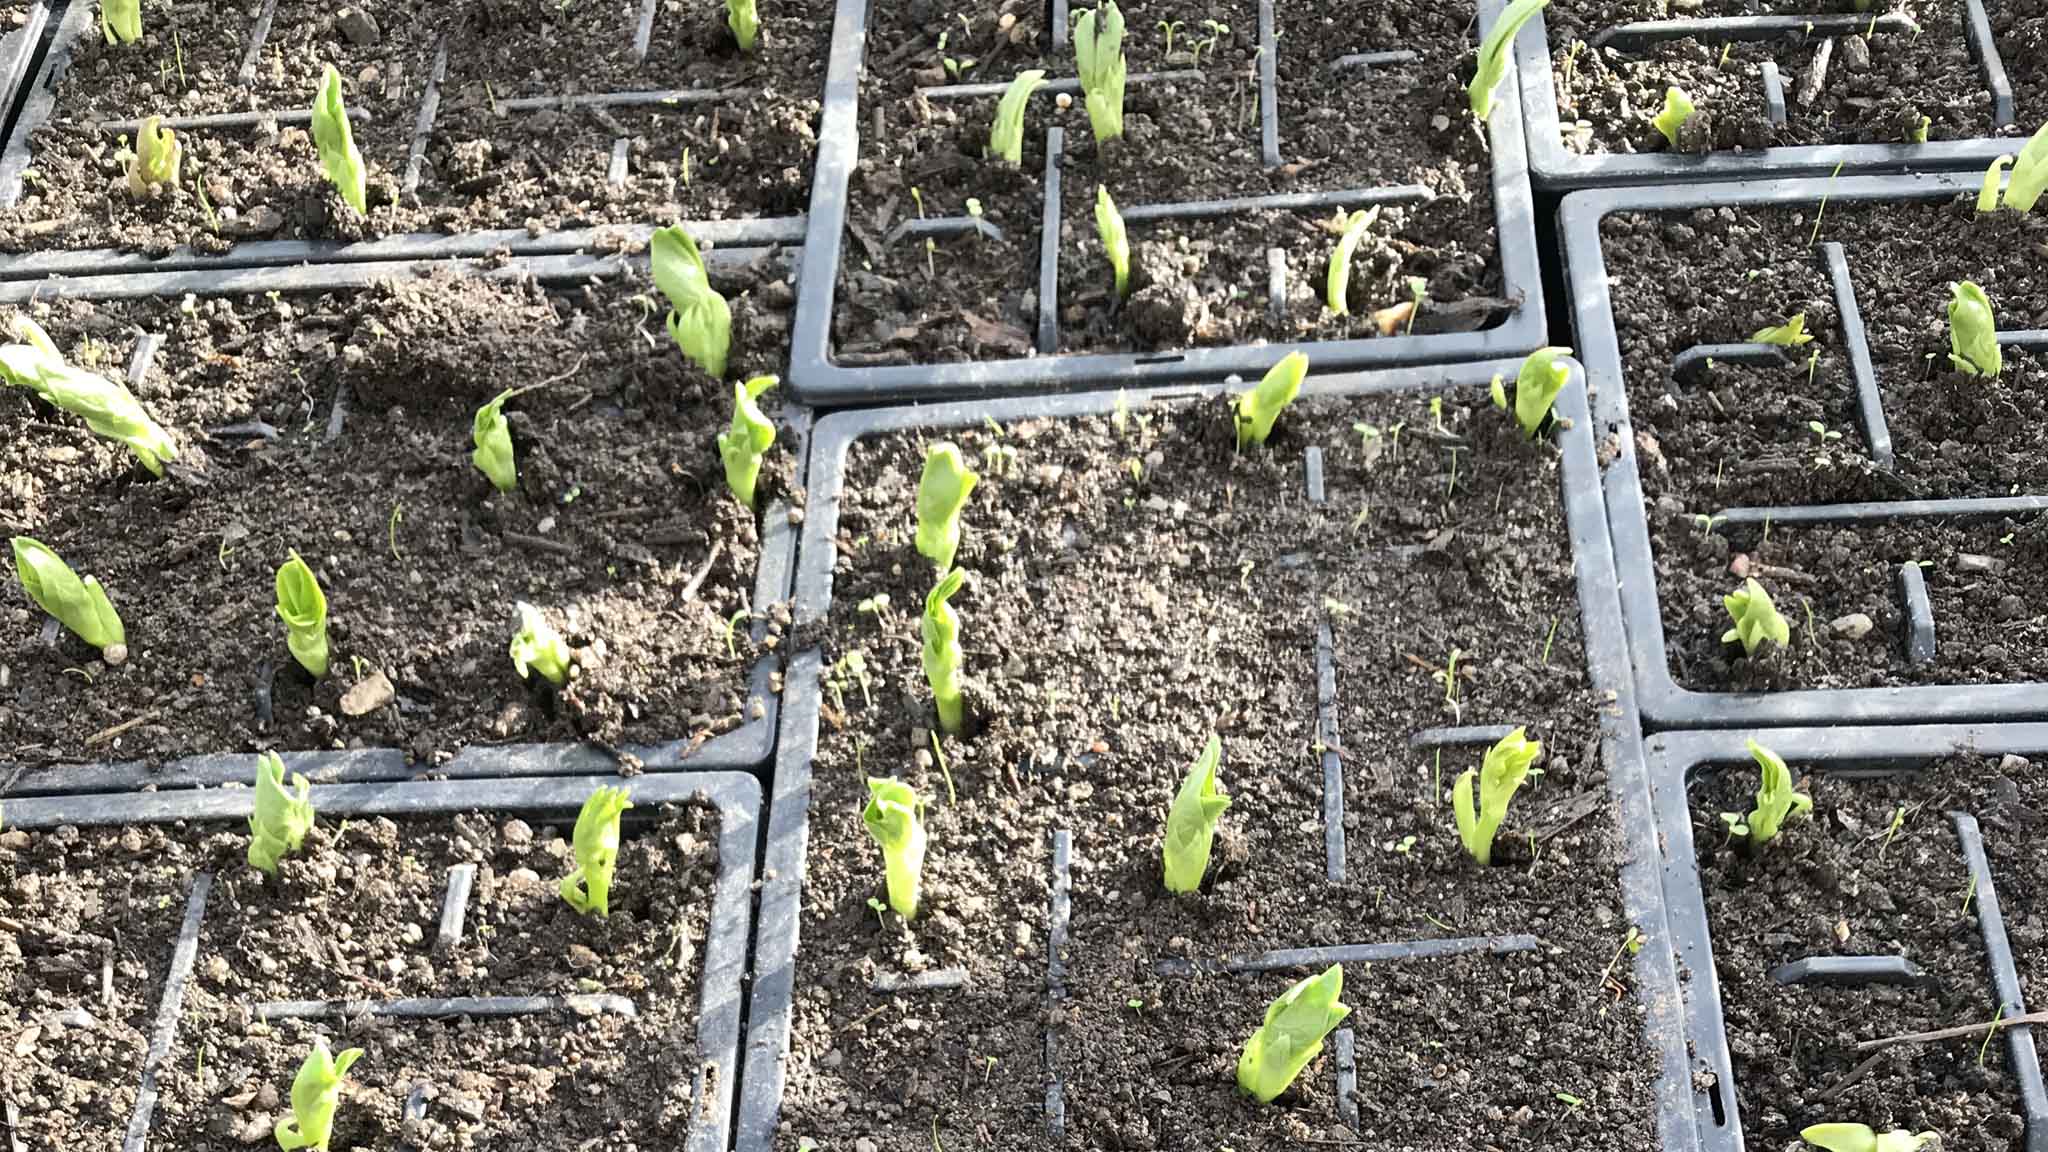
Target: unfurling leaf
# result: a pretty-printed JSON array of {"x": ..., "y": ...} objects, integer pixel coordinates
[
  {"x": 588, "y": 889},
  {"x": 1191, "y": 822},
  {"x": 339, "y": 158}
]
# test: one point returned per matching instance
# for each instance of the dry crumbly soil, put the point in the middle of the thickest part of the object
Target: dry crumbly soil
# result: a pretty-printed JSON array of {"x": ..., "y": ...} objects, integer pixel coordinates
[
  {"x": 2020, "y": 28},
  {"x": 622, "y": 530},
  {"x": 1116, "y": 614},
  {"x": 486, "y": 165},
  {"x": 355, "y": 916},
  {"x": 1193, "y": 282}
]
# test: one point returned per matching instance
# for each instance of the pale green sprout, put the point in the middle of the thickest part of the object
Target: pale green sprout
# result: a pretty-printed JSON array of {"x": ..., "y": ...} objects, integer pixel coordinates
[
  {"x": 279, "y": 819},
  {"x": 80, "y": 605},
  {"x": 157, "y": 158},
  {"x": 1677, "y": 110},
  {"x": 745, "y": 22},
  {"x": 1006, "y": 138},
  {"x": 588, "y": 889},
  {"x": 1775, "y": 800},
  {"x": 1492, "y": 785},
  {"x": 303, "y": 608},
  {"x": 1191, "y": 822},
  {"x": 1790, "y": 334},
  {"x": 751, "y": 435},
  {"x": 121, "y": 21},
  {"x": 942, "y": 654},
  {"x": 537, "y": 646},
  {"x": 1987, "y": 197},
  {"x": 316, "y": 1094},
  {"x": 1259, "y": 408},
  {"x": 1972, "y": 334},
  {"x": 699, "y": 320},
  {"x": 895, "y": 819},
  {"x": 2029, "y": 174},
  {"x": 107, "y": 407},
  {"x": 1116, "y": 243},
  {"x": 1756, "y": 618},
  {"x": 1099, "y": 57},
  {"x": 492, "y": 435},
  {"x": 941, "y": 494},
  {"x": 1537, "y": 386},
  {"x": 1336, "y": 289},
  {"x": 1292, "y": 1034},
  {"x": 1493, "y": 55},
  {"x": 339, "y": 158},
  {"x": 1863, "y": 1138}
]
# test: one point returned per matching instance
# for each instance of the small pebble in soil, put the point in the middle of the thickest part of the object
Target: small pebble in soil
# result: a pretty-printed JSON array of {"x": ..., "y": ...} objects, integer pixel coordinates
[{"x": 1854, "y": 626}]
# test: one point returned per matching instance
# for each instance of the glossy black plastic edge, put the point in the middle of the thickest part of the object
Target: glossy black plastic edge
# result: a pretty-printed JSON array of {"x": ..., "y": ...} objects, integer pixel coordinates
[
  {"x": 816, "y": 379},
  {"x": 1664, "y": 704},
  {"x": 17, "y": 55},
  {"x": 736, "y": 795},
  {"x": 779, "y": 918}
]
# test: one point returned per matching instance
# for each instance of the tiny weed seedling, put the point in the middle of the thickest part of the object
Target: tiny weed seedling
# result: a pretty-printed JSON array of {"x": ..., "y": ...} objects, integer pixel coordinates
[
  {"x": 699, "y": 319},
  {"x": 1099, "y": 58},
  {"x": 942, "y": 653},
  {"x": 1480, "y": 796},
  {"x": 1292, "y": 1034},
  {"x": 1776, "y": 801},
  {"x": 1822, "y": 212},
  {"x": 1678, "y": 109},
  {"x": 303, "y": 608},
  {"x": 1257, "y": 409},
  {"x": 278, "y": 820},
  {"x": 895, "y": 818},
  {"x": 1418, "y": 294},
  {"x": 1006, "y": 136},
  {"x": 80, "y": 605},
  {"x": 741, "y": 446},
  {"x": 539, "y": 648},
  {"x": 1191, "y": 822},
  {"x": 595, "y": 842},
  {"x": 1984, "y": 1049},
  {"x": 1864, "y": 1138},
  {"x": 1337, "y": 285},
  {"x": 1493, "y": 56},
  {"x": 1167, "y": 28},
  {"x": 1972, "y": 334},
  {"x": 1756, "y": 618},
  {"x": 1116, "y": 245},
  {"x": 942, "y": 493},
  {"x": 1790, "y": 334},
  {"x": 1825, "y": 436},
  {"x": 339, "y": 158},
  {"x": 1217, "y": 31},
  {"x": 316, "y": 1096},
  {"x": 945, "y": 768}
]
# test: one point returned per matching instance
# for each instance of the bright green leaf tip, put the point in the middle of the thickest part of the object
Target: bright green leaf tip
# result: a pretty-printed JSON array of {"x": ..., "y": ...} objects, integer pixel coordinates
[
  {"x": 336, "y": 140},
  {"x": 538, "y": 647},
  {"x": 1006, "y": 137},
  {"x": 596, "y": 845},
  {"x": 1543, "y": 375},
  {"x": 1480, "y": 797},
  {"x": 940, "y": 628},
  {"x": 942, "y": 493},
  {"x": 1493, "y": 55},
  {"x": 1258, "y": 409},
  {"x": 316, "y": 1095},
  {"x": 699, "y": 320},
  {"x": 80, "y": 605},
  {"x": 1972, "y": 332},
  {"x": 1678, "y": 109},
  {"x": 741, "y": 446},
  {"x": 303, "y": 607},
  {"x": 278, "y": 820},
  {"x": 1863, "y": 1138},
  {"x": 1191, "y": 822},
  {"x": 894, "y": 818},
  {"x": 1756, "y": 618},
  {"x": 1775, "y": 800},
  {"x": 1292, "y": 1034}
]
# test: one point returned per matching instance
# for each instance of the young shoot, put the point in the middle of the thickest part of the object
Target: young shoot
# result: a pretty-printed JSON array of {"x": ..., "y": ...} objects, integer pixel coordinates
[
  {"x": 121, "y": 21},
  {"x": 303, "y": 608},
  {"x": 339, "y": 158},
  {"x": 2029, "y": 174},
  {"x": 1006, "y": 136},
  {"x": 1775, "y": 801},
  {"x": 1677, "y": 110},
  {"x": 1537, "y": 385},
  {"x": 1116, "y": 243},
  {"x": 80, "y": 605},
  {"x": 492, "y": 435},
  {"x": 1099, "y": 57},
  {"x": 1260, "y": 407},
  {"x": 1972, "y": 334},
  {"x": 155, "y": 161},
  {"x": 942, "y": 654},
  {"x": 1790, "y": 334},
  {"x": 1292, "y": 1034},
  {"x": 107, "y": 408},
  {"x": 941, "y": 494},
  {"x": 1480, "y": 796},
  {"x": 1337, "y": 288},
  {"x": 699, "y": 319},
  {"x": 1493, "y": 55},
  {"x": 1987, "y": 196},
  {"x": 1864, "y": 1138},
  {"x": 751, "y": 435},
  {"x": 280, "y": 819},
  {"x": 1191, "y": 822},
  {"x": 538, "y": 647},
  {"x": 588, "y": 889},
  {"x": 316, "y": 1094},
  {"x": 744, "y": 22},
  {"x": 895, "y": 818},
  {"x": 1756, "y": 618}
]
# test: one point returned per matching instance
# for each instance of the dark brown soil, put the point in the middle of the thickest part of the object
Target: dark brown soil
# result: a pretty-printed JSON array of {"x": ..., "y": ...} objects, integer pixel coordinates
[
  {"x": 2012, "y": 807},
  {"x": 622, "y": 506},
  {"x": 2021, "y": 30},
  {"x": 1113, "y": 620},
  {"x": 1194, "y": 282},
  {"x": 1839, "y": 884},
  {"x": 1875, "y": 92},
  {"x": 486, "y": 166}
]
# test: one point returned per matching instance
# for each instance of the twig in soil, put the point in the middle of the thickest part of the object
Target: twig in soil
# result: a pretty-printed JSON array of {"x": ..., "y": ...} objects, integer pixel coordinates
[
  {"x": 106, "y": 734},
  {"x": 697, "y": 578},
  {"x": 1855, "y": 1074},
  {"x": 1955, "y": 1033},
  {"x": 540, "y": 543},
  {"x": 340, "y": 411}
]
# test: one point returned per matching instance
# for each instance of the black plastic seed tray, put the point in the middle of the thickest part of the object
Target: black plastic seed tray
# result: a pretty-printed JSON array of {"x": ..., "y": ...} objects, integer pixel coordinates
[
  {"x": 736, "y": 796},
  {"x": 774, "y": 997},
  {"x": 1836, "y": 763},
  {"x": 819, "y": 379},
  {"x": 1664, "y": 703},
  {"x": 17, "y": 52},
  {"x": 1555, "y": 167}
]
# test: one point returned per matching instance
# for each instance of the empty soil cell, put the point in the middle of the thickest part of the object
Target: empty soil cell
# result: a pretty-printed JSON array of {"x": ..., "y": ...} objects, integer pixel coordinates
[
  {"x": 2021, "y": 30},
  {"x": 497, "y": 155},
  {"x": 1742, "y": 436},
  {"x": 1843, "y": 883},
  {"x": 1137, "y": 583},
  {"x": 1186, "y": 138},
  {"x": 339, "y": 426},
  {"x": 2011, "y": 804}
]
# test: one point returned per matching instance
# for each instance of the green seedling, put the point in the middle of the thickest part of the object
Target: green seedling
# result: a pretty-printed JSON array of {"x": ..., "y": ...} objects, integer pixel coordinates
[
  {"x": 1480, "y": 796},
  {"x": 1756, "y": 618},
  {"x": 1336, "y": 289},
  {"x": 751, "y": 435},
  {"x": 1677, "y": 110},
  {"x": 588, "y": 889},
  {"x": 316, "y": 1094},
  {"x": 538, "y": 647},
  {"x": 1116, "y": 243},
  {"x": 1169, "y": 27},
  {"x": 303, "y": 608},
  {"x": 80, "y": 605},
  {"x": 1418, "y": 295},
  {"x": 1493, "y": 55},
  {"x": 1257, "y": 409},
  {"x": 1972, "y": 334},
  {"x": 2029, "y": 174},
  {"x": 1987, "y": 197},
  {"x": 1537, "y": 385},
  {"x": 1824, "y": 435},
  {"x": 745, "y": 23},
  {"x": 1790, "y": 334},
  {"x": 1919, "y": 133},
  {"x": 492, "y": 435},
  {"x": 156, "y": 160},
  {"x": 121, "y": 21},
  {"x": 1775, "y": 801},
  {"x": 942, "y": 655},
  {"x": 942, "y": 493},
  {"x": 107, "y": 408},
  {"x": 1099, "y": 57},
  {"x": 339, "y": 158},
  {"x": 1292, "y": 1034},
  {"x": 1217, "y": 31},
  {"x": 895, "y": 818},
  {"x": 1191, "y": 822},
  {"x": 1006, "y": 137},
  {"x": 280, "y": 819},
  {"x": 1863, "y": 1138},
  {"x": 699, "y": 319}
]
